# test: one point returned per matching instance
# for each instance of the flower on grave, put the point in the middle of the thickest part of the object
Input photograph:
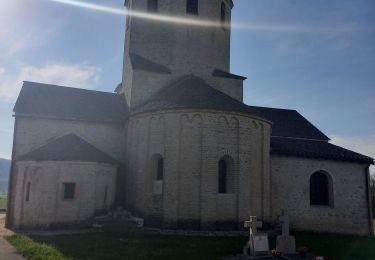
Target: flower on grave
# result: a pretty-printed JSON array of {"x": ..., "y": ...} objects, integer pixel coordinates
[
  {"x": 275, "y": 253},
  {"x": 302, "y": 249},
  {"x": 320, "y": 258}
]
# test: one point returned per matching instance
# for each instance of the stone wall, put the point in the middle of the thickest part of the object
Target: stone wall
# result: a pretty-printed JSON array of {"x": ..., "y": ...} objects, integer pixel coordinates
[
  {"x": 174, "y": 45},
  {"x": 46, "y": 206},
  {"x": 192, "y": 143},
  {"x": 185, "y": 49},
  {"x": 33, "y": 132},
  {"x": 290, "y": 191}
]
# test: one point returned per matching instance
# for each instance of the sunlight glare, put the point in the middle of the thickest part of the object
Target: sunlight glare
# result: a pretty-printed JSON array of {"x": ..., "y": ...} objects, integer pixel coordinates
[
  {"x": 196, "y": 21},
  {"x": 143, "y": 15}
]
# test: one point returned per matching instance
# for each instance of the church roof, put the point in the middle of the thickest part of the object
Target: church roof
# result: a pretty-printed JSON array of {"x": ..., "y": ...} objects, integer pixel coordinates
[
  {"x": 141, "y": 63},
  {"x": 290, "y": 123},
  {"x": 39, "y": 99},
  {"x": 225, "y": 74},
  {"x": 193, "y": 92},
  {"x": 315, "y": 149},
  {"x": 190, "y": 92},
  {"x": 69, "y": 147}
]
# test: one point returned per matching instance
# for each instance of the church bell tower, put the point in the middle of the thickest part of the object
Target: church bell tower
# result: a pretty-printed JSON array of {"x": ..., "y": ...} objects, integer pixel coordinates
[{"x": 158, "y": 52}]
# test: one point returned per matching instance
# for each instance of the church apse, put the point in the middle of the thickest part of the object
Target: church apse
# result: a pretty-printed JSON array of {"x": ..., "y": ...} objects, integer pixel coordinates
[{"x": 191, "y": 144}]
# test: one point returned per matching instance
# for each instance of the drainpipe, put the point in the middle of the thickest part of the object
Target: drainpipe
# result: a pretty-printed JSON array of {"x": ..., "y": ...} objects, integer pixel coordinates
[{"x": 369, "y": 200}]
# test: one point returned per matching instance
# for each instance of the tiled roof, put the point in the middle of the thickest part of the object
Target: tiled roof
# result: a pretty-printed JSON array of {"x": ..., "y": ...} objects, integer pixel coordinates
[
  {"x": 70, "y": 103},
  {"x": 225, "y": 74},
  {"x": 290, "y": 123},
  {"x": 193, "y": 92},
  {"x": 315, "y": 149},
  {"x": 68, "y": 148},
  {"x": 141, "y": 63},
  {"x": 303, "y": 138}
]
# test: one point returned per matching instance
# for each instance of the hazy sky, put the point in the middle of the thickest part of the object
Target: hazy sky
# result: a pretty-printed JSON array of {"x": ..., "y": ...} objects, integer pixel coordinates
[{"x": 314, "y": 56}]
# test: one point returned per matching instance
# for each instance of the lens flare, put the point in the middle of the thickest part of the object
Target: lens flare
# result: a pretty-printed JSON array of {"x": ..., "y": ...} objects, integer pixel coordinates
[
  {"x": 196, "y": 21},
  {"x": 143, "y": 15}
]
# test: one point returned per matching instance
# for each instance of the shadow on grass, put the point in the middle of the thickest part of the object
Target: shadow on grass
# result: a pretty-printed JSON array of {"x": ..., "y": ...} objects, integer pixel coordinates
[
  {"x": 140, "y": 246},
  {"x": 126, "y": 246},
  {"x": 339, "y": 247}
]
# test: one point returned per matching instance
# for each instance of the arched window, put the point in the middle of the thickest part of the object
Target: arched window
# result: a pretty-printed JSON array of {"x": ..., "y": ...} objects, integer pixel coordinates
[
  {"x": 28, "y": 191},
  {"x": 225, "y": 175},
  {"x": 154, "y": 182},
  {"x": 160, "y": 169},
  {"x": 105, "y": 194},
  {"x": 192, "y": 7},
  {"x": 321, "y": 189},
  {"x": 152, "y": 5},
  {"x": 157, "y": 168},
  {"x": 223, "y": 10}
]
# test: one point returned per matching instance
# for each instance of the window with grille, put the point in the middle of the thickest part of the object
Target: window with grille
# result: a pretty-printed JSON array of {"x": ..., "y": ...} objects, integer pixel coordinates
[
  {"x": 152, "y": 6},
  {"x": 69, "y": 190},
  {"x": 192, "y": 7}
]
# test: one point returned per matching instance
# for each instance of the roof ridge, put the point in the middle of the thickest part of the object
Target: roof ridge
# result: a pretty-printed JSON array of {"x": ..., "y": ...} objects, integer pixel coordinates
[
  {"x": 316, "y": 149},
  {"x": 274, "y": 108},
  {"x": 139, "y": 62},
  {"x": 67, "y": 87},
  {"x": 167, "y": 87},
  {"x": 351, "y": 151},
  {"x": 57, "y": 141},
  {"x": 70, "y": 103},
  {"x": 299, "y": 138}
]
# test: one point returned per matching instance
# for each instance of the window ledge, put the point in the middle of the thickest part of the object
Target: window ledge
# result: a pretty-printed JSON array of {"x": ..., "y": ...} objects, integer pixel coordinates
[{"x": 322, "y": 206}]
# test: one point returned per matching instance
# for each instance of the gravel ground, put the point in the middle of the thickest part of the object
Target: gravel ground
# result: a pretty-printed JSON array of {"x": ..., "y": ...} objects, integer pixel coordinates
[{"x": 3, "y": 231}]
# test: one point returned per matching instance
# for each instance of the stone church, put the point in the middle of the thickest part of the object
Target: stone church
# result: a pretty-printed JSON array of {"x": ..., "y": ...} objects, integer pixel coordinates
[{"x": 176, "y": 145}]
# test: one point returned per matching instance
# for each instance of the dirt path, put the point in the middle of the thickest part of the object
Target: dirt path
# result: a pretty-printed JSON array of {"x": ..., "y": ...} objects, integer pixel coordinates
[
  {"x": 7, "y": 251},
  {"x": 3, "y": 231}
]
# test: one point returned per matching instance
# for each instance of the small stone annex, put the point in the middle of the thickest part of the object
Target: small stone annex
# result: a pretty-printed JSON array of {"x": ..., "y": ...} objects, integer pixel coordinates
[{"x": 176, "y": 145}]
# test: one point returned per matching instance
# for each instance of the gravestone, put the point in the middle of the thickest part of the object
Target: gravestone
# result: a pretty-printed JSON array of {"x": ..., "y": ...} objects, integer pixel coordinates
[
  {"x": 258, "y": 242},
  {"x": 285, "y": 243}
]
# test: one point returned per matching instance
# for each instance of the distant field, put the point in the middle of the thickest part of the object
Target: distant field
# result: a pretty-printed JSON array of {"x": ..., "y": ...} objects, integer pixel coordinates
[{"x": 3, "y": 203}]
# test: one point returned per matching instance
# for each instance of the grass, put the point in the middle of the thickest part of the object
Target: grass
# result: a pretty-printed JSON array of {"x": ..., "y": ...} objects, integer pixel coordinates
[
  {"x": 340, "y": 247},
  {"x": 3, "y": 203},
  {"x": 140, "y": 246},
  {"x": 125, "y": 246}
]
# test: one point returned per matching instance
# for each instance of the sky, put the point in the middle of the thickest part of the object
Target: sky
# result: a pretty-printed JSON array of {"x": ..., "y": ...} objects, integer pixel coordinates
[{"x": 317, "y": 57}]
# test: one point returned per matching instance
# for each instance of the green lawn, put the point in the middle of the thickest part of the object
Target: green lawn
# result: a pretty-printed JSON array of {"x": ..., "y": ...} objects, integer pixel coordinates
[
  {"x": 3, "y": 203},
  {"x": 140, "y": 246},
  {"x": 126, "y": 246}
]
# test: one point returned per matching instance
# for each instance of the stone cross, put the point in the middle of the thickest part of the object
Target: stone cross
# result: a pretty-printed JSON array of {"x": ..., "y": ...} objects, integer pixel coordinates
[
  {"x": 285, "y": 223},
  {"x": 253, "y": 224},
  {"x": 285, "y": 243}
]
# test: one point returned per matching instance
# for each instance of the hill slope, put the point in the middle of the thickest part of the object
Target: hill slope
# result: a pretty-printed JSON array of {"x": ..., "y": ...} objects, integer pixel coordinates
[{"x": 4, "y": 175}]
